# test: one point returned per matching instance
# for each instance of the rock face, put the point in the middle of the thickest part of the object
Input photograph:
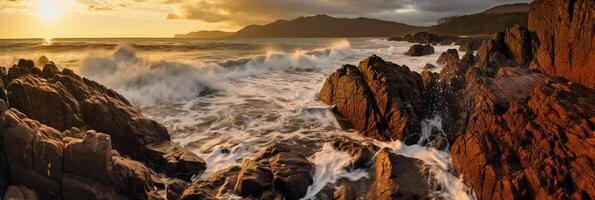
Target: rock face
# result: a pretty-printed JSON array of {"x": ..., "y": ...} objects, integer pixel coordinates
[
  {"x": 276, "y": 172},
  {"x": 20, "y": 193},
  {"x": 70, "y": 164},
  {"x": 420, "y": 50},
  {"x": 469, "y": 45},
  {"x": 512, "y": 47},
  {"x": 398, "y": 177},
  {"x": 526, "y": 138},
  {"x": 566, "y": 34},
  {"x": 451, "y": 55},
  {"x": 79, "y": 102},
  {"x": 382, "y": 100}
]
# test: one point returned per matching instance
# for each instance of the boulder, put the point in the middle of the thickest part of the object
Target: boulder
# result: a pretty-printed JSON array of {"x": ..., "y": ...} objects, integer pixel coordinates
[
  {"x": 429, "y": 66},
  {"x": 469, "y": 45},
  {"x": 567, "y": 45},
  {"x": 90, "y": 157},
  {"x": 360, "y": 153},
  {"x": 398, "y": 177},
  {"x": 382, "y": 100},
  {"x": 22, "y": 68},
  {"x": 509, "y": 48},
  {"x": 20, "y": 193},
  {"x": 176, "y": 160},
  {"x": 175, "y": 189},
  {"x": 420, "y": 50},
  {"x": 451, "y": 55},
  {"x": 131, "y": 178}
]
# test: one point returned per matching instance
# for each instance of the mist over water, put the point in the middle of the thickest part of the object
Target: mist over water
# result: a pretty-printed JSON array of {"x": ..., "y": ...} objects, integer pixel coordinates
[{"x": 226, "y": 99}]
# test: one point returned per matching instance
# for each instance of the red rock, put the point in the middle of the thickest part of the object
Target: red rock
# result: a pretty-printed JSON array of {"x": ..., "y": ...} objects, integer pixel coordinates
[
  {"x": 382, "y": 100},
  {"x": 451, "y": 55},
  {"x": 566, "y": 35},
  {"x": 512, "y": 47}
]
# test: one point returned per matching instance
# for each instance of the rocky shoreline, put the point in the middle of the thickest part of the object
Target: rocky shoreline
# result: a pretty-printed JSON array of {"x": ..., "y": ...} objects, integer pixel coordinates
[{"x": 518, "y": 118}]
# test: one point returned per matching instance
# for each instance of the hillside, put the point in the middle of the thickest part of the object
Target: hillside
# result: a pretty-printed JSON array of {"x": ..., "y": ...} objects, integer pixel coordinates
[
  {"x": 205, "y": 34},
  {"x": 490, "y": 21},
  {"x": 508, "y": 8},
  {"x": 326, "y": 26}
]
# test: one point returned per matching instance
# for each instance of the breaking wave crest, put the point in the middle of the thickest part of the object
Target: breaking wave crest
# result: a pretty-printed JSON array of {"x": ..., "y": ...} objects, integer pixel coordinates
[{"x": 148, "y": 82}]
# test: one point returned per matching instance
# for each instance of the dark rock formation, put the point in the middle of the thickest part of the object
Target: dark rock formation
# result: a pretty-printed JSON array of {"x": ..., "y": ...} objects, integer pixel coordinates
[
  {"x": 70, "y": 164},
  {"x": 468, "y": 59},
  {"x": 469, "y": 45},
  {"x": 398, "y": 177},
  {"x": 45, "y": 94},
  {"x": 429, "y": 66},
  {"x": 451, "y": 55},
  {"x": 509, "y": 48},
  {"x": 382, "y": 100},
  {"x": 420, "y": 50},
  {"x": 20, "y": 193},
  {"x": 566, "y": 34}
]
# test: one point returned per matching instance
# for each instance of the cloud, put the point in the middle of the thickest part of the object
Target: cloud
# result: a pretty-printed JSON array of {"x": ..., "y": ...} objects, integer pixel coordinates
[
  {"x": 99, "y": 8},
  {"x": 420, "y": 12}
]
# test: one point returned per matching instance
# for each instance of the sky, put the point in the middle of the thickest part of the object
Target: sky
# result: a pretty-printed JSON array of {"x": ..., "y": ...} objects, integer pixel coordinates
[{"x": 164, "y": 18}]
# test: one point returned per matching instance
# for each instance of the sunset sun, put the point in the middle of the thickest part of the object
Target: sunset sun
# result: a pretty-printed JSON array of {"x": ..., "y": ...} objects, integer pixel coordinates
[{"x": 49, "y": 10}]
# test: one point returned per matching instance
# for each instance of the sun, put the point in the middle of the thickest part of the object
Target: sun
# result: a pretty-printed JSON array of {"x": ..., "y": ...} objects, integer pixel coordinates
[{"x": 50, "y": 9}]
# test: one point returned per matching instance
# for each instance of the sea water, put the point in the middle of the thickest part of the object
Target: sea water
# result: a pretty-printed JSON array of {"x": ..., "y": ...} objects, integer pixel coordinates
[{"x": 226, "y": 99}]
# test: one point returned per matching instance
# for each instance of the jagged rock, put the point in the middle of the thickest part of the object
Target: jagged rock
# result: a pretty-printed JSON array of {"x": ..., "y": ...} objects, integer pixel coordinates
[
  {"x": 526, "y": 137},
  {"x": 509, "y": 48},
  {"x": 420, "y": 50},
  {"x": 49, "y": 70},
  {"x": 20, "y": 193},
  {"x": 429, "y": 66},
  {"x": 176, "y": 160},
  {"x": 85, "y": 104},
  {"x": 565, "y": 31},
  {"x": 130, "y": 131},
  {"x": 469, "y": 45},
  {"x": 22, "y": 68},
  {"x": 468, "y": 59},
  {"x": 423, "y": 38},
  {"x": 398, "y": 177},
  {"x": 131, "y": 178},
  {"x": 62, "y": 165},
  {"x": 175, "y": 189},
  {"x": 451, "y": 55},
  {"x": 360, "y": 153},
  {"x": 382, "y": 100},
  {"x": 277, "y": 171},
  {"x": 90, "y": 156}
]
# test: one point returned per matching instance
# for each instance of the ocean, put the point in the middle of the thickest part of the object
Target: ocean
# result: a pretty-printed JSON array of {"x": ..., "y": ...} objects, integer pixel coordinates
[{"x": 225, "y": 99}]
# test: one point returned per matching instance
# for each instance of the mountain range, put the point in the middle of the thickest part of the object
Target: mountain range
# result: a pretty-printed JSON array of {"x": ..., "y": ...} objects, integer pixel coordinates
[{"x": 499, "y": 18}]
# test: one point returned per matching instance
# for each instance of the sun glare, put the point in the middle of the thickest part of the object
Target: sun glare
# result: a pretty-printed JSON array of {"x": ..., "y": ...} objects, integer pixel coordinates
[{"x": 50, "y": 9}]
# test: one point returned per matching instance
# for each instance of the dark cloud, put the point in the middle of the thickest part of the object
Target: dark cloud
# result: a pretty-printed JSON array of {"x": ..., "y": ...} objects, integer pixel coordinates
[{"x": 242, "y": 12}]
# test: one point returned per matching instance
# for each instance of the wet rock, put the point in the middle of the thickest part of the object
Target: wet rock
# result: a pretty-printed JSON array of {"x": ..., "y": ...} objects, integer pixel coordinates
[
  {"x": 382, "y": 100},
  {"x": 360, "y": 153},
  {"x": 49, "y": 70},
  {"x": 469, "y": 45},
  {"x": 70, "y": 164},
  {"x": 468, "y": 59},
  {"x": 131, "y": 178},
  {"x": 565, "y": 32},
  {"x": 512, "y": 47},
  {"x": 20, "y": 193},
  {"x": 423, "y": 38},
  {"x": 175, "y": 189},
  {"x": 429, "y": 66},
  {"x": 451, "y": 55},
  {"x": 22, "y": 68},
  {"x": 220, "y": 183},
  {"x": 90, "y": 157},
  {"x": 345, "y": 192},
  {"x": 525, "y": 136},
  {"x": 176, "y": 160},
  {"x": 420, "y": 50},
  {"x": 398, "y": 177}
]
